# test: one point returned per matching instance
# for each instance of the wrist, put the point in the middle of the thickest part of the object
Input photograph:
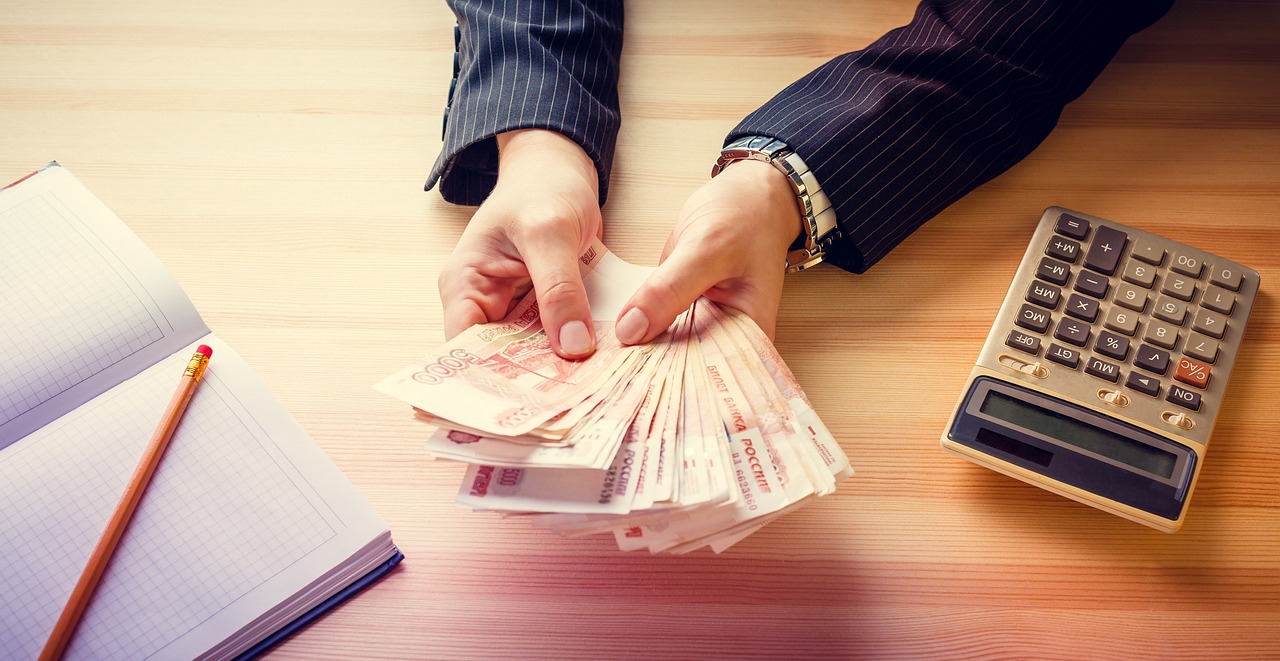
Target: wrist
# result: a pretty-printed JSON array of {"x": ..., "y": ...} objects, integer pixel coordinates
[
  {"x": 770, "y": 193},
  {"x": 543, "y": 151},
  {"x": 817, "y": 215}
]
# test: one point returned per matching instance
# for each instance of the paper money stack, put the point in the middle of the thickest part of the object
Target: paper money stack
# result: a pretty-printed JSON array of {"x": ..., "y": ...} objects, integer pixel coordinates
[{"x": 696, "y": 439}]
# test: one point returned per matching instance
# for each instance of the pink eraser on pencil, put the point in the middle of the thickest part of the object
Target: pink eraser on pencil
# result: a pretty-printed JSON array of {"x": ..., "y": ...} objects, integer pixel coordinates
[{"x": 204, "y": 350}]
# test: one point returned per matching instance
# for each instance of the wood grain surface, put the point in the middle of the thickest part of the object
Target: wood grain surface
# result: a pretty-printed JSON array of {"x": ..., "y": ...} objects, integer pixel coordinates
[{"x": 292, "y": 139}]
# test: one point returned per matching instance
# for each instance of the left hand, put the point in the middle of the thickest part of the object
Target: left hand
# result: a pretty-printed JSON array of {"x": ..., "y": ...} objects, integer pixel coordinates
[
  {"x": 729, "y": 244},
  {"x": 543, "y": 212}
]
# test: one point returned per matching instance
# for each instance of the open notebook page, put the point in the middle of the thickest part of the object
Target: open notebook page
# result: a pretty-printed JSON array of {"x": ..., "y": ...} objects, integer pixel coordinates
[
  {"x": 245, "y": 510},
  {"x": 84, "y": 304}
]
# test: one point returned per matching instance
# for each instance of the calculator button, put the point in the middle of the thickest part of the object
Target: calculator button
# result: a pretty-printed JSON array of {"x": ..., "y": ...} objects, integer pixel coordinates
[
  {"x": 1161, "y": 334},
  {"x": 1092, "y": 284},
  {"x": 1148, "y": 251},
  {"x": 1112, "y": 345},
  {"x": 1170, "y": 310},
  {"x": 1121, "y": 320},
  {"x": 1023, "y": 342},
  {"x": 1186, "y": 264},
  {"x": 1179, "y": 287},
  {"x": 1184, "y": 398},
  {"x": 1067, "y": 251},
  {"x": 1131, "y": 297},
  {"x": 1068, "y": 225},
  {"x": 1104, "y": 252},
  {"x": 1052, "y": 270},
  {"x": 1226, "y": 276},
  {"x": 1210, "y": 323},
  {"x": 1102, "y": 369},
  {"x": 1072, "y": 331},
  {"x": 1033, "y": 318},
  {"x": 1044, "y": 295},
  {"x": 1218, "y": 300},
  {"x": 1062, "y": 355},
  {"x": 1082, "y": 308},
  {"x": 1139, "y": 274},
  {"x": 1151, "y": 359},
  {"x": 1201, "y": 348},
  {"x": 1143, "y": 384},
  {"x": 1192, "y": 373}
]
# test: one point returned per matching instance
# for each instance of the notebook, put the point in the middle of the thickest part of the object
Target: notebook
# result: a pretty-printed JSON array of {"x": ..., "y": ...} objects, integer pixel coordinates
[{"x": 247, "y": 530}]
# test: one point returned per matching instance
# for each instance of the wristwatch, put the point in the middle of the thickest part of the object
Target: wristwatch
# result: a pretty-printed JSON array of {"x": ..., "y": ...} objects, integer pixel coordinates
[{"x": 816, "y": 212}]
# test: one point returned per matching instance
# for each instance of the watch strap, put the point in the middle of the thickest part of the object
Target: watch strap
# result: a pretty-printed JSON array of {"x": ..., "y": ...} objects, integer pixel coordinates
[{"x": 818, "y": 217}]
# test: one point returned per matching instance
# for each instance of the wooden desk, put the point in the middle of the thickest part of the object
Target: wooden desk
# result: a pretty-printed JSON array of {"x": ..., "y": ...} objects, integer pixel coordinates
[{"x": 294, "y": 137}]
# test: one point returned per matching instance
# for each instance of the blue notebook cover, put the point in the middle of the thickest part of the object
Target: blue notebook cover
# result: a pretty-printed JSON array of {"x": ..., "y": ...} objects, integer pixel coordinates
[{"x": 324, "y": 606}]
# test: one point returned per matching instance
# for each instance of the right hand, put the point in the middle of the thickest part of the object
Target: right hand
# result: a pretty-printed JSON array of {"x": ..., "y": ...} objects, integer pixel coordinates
[
  {"x": 729, "y": 244},
  {"x": 542, "y": 214}
]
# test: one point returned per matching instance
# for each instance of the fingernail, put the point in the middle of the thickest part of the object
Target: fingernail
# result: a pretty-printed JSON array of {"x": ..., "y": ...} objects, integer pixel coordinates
[
  {"x": 632, "y": 327},
  {"x": 575, "y": 340}
]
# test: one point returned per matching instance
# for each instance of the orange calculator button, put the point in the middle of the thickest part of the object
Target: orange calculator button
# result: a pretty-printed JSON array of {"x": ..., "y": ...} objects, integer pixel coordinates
[{"x": 1192, "y": 373}]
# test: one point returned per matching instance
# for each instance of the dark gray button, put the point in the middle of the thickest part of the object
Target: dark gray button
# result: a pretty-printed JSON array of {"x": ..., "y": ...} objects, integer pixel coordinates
[
  {"x": 1111, "y": 345},
  {"x": 1076, "y": 228},
  {"x": 1075, "y": 332},
  {"x": 1102, "y": 369},
  {"x": 1184, "y": 398},
  {"x": 1066, "y": 250},
  {"x": 1042, "y": 294},
  {"x": 1063, "y": 356},
  {"x": 1104, "y": 252},
  {"x": 1033, "y": 318},
  {"x": 1082, "y": 308},
  {"x": 1152, "y": 359},
  {"x": 1023, "y": 342},
  {"x": 1143, "y": 384},
  {"x": 1092, "y": 284},
  {"x": 1052, "y": 270}
]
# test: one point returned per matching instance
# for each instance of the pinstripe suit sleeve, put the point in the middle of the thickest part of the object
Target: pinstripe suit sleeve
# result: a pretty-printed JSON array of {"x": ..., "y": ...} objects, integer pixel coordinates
[
  {"x": 551, "y": 64},
  {"x": 897, "y": 132}
]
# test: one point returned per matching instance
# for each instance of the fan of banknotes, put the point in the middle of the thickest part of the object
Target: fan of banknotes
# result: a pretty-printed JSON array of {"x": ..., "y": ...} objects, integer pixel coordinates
[{"x": 696, "y": 439}]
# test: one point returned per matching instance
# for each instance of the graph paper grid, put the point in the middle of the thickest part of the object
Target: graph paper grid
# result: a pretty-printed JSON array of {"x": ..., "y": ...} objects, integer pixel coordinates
[
  {"x": 220, "y": 518},
  {"x": 57, "y": 332}
]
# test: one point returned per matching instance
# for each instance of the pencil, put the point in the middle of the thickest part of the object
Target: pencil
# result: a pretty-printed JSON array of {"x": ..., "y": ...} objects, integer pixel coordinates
[{"x": 83, "y": 592}]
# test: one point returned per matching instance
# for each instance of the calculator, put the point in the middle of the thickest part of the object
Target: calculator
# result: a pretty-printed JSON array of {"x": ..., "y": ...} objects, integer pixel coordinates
[{"x": 1106, "y": 366}]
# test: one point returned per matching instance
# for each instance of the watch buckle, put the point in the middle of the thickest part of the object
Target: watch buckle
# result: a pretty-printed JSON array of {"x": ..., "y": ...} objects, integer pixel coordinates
[{"x": 803, "y": 258}]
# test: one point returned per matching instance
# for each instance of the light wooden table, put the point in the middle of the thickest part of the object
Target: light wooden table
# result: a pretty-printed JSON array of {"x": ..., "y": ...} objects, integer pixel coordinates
[{"x": 293, "y": 139}]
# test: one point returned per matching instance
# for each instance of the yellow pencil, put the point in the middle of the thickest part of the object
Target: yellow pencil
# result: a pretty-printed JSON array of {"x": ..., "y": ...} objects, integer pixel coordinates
[{"x": 79, "y": 600}]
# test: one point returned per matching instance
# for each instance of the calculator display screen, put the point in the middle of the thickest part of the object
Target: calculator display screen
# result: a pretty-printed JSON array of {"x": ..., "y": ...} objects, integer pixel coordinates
[{"x": 1080, "y": 434}]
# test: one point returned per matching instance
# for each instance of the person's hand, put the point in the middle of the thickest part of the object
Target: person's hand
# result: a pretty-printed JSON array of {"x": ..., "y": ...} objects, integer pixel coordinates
[
  {"x": 542, "y": 214},
  {"x": 729, "y": 244}
]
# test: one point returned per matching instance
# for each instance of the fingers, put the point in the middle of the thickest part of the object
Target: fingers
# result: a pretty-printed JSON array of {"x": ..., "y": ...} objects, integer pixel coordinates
[
  {"x": 469, "y": 297},
  {"x": 460, "y": 316},
  {"x": 552, "y": 259},
  {"x": 673, "y": 286}
]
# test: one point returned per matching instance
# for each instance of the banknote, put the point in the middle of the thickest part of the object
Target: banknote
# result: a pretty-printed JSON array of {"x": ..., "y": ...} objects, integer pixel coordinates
[
  {"x": 503, "y": 378},
  {"x": 694, "y": 440}
]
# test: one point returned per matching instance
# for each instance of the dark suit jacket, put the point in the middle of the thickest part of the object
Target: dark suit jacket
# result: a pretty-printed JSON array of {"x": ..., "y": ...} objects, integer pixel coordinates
[{"x": 894, "y": 132}]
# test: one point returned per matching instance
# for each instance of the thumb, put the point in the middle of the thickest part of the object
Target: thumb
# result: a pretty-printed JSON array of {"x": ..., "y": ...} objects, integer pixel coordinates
[
  {"x": 669, "y": 290},
  {"x": 562, "y": 298}
]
